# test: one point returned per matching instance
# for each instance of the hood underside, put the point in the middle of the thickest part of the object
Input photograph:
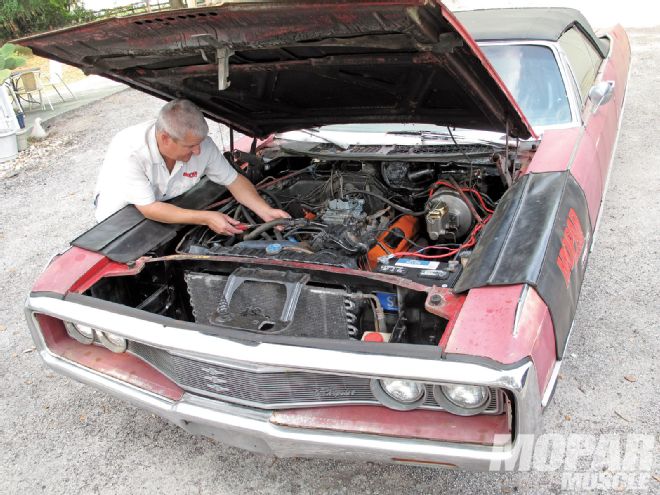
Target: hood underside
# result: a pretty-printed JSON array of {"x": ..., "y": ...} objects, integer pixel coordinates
[{"x": 292, "y": 65}]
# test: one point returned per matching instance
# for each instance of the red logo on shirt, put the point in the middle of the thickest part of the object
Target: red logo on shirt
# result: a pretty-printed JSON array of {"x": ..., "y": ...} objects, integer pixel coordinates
[{"x": 192, "y": 175}]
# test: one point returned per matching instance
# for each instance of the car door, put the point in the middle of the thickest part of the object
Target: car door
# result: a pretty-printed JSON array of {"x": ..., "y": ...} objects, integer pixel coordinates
[{"x": 600, "y": 117}]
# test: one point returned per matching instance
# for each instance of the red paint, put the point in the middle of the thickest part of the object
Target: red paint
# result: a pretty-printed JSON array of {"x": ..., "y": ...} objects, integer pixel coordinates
[
  {"x": 436, "y": 426},
  {"x": 443, "y": 302},
  {"x": 78, "y": 269},
  {"x": 124, "y": 366},
  {"x": 544, "y": 354},
  {"x": 572, "y": 243},
  {"x": 586, "y": 172},
  {"x": 535, "y": 330},
  {"x": 485, "y": 328},
  {"x": 555, "y": 151}
]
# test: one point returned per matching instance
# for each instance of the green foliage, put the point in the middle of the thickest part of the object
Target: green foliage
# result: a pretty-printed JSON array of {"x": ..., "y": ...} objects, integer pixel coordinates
[
  {"x": 9, "y": 60},
  {"x": 22, "y": 17}
]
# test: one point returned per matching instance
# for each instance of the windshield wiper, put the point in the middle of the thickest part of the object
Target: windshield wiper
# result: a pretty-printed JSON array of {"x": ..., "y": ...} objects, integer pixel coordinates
[
  {"x": 422, "y": 134},
  {"x": 428, "y": 135}
]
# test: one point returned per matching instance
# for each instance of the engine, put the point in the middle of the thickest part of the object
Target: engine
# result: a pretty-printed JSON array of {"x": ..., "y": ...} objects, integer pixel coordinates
[{"x": 360, "y": 215}]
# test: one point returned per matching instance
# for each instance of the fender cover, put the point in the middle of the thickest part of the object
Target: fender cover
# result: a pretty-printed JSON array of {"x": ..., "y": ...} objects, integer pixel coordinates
[
  {"x": 127, "y": 235},
  {"x": 539, "y": 235}
]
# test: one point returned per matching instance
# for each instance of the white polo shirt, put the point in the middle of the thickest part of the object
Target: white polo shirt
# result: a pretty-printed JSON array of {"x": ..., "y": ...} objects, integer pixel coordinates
[{"x": 134, "y": 172}]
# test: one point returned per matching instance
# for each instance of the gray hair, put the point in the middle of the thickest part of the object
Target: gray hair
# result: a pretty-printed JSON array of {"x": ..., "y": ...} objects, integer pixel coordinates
[{"x": 179, "y": 117}]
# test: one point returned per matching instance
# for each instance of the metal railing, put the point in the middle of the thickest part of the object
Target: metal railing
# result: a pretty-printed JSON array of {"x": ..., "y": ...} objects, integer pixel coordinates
[{"x": 146, "y": 7}]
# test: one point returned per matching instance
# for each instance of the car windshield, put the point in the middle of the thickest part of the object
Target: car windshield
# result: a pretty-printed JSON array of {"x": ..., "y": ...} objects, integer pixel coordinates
[{"x": 531, "y": 74}]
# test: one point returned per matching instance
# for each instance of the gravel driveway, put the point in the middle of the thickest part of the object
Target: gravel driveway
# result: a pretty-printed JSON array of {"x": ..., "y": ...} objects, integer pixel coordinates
[{"x": 57, "y": 436}]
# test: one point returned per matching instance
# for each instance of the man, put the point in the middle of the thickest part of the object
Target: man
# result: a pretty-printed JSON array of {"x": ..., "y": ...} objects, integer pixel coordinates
[{"x": 152, "y": 162}]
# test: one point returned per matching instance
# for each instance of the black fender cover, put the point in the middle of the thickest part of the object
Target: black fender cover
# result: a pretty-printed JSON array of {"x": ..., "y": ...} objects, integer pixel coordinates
[
  {"x": 126, "y": 235},
  {"x": 539, "y": 235}
]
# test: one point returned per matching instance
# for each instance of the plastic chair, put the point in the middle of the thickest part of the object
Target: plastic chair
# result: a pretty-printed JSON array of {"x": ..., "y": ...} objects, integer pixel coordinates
[
  {"x": 28, "y": 85},
  {"x": 52, "y": 83}
]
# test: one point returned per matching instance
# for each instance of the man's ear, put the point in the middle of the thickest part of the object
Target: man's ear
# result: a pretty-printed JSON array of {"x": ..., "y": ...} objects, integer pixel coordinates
[{"x": 165, "y": 138}]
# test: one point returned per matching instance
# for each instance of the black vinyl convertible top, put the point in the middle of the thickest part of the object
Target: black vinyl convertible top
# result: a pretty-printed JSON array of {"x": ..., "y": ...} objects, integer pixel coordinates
[{"x": 533, "y": 23}]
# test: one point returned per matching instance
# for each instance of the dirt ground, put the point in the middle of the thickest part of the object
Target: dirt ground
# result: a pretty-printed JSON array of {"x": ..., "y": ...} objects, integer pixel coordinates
[{"x": 60, "y": 437}]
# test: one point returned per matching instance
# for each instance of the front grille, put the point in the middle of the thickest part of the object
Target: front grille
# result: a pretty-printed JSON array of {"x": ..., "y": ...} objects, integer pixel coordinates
[{"x": 270, "y": 389}]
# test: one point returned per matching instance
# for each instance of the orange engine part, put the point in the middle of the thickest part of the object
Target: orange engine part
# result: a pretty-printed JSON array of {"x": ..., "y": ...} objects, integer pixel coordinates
[{"x": 391, "y": 240}]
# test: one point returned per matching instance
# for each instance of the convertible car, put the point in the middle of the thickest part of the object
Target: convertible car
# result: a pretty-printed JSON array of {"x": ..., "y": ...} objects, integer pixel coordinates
[{"x": 445, "y": 176}]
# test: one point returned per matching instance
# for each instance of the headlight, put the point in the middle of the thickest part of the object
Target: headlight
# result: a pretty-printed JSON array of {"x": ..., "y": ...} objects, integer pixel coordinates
[
  {"x": 82, "y": 333},
  {"x": 465, "y": 400},
  {"x": 113, "y": 342},
  {"x": 402, "y": 395}
]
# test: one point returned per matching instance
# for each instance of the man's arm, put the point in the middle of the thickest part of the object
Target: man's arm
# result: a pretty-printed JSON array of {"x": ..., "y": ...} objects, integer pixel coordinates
[
  {"x": 168, "y": 213},
  {"x": 246, "y": 194},
  {"x": 241, "y": 188}
]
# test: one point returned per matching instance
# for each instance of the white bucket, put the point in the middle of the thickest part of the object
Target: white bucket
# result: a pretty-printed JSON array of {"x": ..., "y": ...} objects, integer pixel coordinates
[
  {"x": 22, "y": 139},
  {"x": 8, "y": 145}
]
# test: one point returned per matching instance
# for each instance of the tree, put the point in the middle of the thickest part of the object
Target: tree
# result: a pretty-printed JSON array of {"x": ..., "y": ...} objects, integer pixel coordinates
[
  {"x": 22, "y": 17},
  {"x": 9, "y": 60}
]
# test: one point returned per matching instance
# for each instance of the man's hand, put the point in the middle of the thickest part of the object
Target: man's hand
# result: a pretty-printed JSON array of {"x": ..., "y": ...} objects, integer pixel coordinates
[
  {"x": 221, "y": 223},
  {"x": 273, "y": 214},
  {"x": 245, "y": 193}
]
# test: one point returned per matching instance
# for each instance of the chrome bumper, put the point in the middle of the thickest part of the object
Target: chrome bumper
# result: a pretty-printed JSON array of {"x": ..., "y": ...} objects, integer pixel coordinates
[{"x": 252, "y": 430}]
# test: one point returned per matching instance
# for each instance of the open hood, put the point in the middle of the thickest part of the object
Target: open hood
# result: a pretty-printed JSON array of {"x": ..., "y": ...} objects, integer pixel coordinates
[{"x": 264, "y": 67}]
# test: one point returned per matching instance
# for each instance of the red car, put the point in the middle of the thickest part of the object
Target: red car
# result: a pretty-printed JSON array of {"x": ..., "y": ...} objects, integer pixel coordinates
[{"x": 445, "y": 176}]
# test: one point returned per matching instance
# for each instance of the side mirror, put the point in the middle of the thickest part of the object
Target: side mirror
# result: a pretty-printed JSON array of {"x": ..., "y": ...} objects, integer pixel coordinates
[{"x": 601, "y": 93}]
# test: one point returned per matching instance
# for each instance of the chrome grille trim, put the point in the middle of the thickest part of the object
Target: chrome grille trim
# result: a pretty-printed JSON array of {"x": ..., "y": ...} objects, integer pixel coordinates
[{"x": 271, "y": 388}]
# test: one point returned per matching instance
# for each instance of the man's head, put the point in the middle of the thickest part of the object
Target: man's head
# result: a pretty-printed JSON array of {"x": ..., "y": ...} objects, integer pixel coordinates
[{"x": 180, "y": 129}]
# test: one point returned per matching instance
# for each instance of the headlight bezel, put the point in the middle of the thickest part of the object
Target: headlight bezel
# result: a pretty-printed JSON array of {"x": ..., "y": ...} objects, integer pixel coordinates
[
  {"x": 112, "y": 342},
  {"x": 74, "y": 331},
  {"x": 88, "y": 335}
]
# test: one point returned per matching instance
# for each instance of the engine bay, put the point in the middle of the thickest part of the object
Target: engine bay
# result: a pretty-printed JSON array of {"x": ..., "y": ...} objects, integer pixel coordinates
[
  {"x": 301, "y": 277},
  {"x": 374, "y": 216}
]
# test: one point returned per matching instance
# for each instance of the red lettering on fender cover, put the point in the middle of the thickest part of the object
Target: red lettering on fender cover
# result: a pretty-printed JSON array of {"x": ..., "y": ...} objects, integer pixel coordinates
[
  {"x": 572, "y": 244},
  {"x": 192, "y": 175}
]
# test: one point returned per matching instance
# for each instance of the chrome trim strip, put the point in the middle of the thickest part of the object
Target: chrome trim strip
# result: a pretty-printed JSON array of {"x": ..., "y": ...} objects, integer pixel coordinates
[
  {"x": 252, "y": 430},
  {"x": 552, "y": 383},
  {"x": 519, "y": 309}
]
